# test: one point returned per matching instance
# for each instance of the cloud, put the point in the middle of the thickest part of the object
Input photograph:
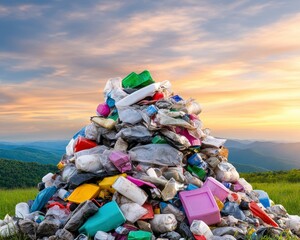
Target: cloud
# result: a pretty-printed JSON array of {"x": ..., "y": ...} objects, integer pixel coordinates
[
  {"x": 250, "y": 78},
  {"x": 23, "y": 11}
]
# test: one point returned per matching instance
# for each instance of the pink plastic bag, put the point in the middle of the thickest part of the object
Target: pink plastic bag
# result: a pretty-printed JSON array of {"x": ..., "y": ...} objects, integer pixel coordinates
[{"x": 121, "y": 161}]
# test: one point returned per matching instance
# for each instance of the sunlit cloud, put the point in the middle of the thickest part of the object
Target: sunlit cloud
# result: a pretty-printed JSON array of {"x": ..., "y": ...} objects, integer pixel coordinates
[{"x": 244, "y": 73}]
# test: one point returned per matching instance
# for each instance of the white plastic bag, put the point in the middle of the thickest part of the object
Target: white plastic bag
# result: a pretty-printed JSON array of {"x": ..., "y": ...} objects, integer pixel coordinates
[
  {"x": 199, "y": 227},
  {"x": 89, "y": 163},
  {"x": 226, "y": 172},
  {"x": 91, "y": 131},
  {"x": 133, "y": 211},
  {"x": 162, "y": 223}
]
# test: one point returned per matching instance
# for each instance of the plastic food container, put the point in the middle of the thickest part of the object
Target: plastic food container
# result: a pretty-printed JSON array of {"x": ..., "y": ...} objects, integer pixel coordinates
[
  {"x": 217, "y": 188},
  {"x": 200, "y": 204}
]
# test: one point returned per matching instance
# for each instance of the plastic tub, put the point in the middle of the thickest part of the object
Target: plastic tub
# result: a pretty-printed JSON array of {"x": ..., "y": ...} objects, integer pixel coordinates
[
  {"x": 200, "y": 204},
  {"x": 217, "y": 188}
]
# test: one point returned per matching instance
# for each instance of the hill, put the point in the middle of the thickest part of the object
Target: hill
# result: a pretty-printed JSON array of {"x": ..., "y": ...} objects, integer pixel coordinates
[
  {"x": 44, "y": 152},
  {"x": 17, "y": 174},
  {"x": 249, "y": 156}
]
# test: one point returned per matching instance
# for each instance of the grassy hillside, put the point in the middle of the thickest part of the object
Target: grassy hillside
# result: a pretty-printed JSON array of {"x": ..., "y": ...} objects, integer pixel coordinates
[{"x": 17, "y": 174}]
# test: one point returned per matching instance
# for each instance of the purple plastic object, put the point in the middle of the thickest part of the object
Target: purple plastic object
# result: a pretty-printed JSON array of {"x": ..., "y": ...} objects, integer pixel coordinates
[
  {"x": 103, "y": 109},
  {"x": 217, "y": 188},
  {"x": 199, "y": 204},
  {"x": 139, "y": 182},
  {"x": 121, "y": 161}
]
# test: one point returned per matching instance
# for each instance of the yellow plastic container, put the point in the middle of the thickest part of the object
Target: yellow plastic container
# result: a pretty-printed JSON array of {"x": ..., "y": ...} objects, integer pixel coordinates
[
  {"x": 219, "y": 203},
  {"x": 107, "y": 182},
  {"x": 84, "y": 192}
]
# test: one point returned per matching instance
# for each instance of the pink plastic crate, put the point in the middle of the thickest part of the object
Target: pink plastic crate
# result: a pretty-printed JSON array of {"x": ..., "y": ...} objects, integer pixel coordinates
[
  {"x": 199, "y": 204},
  {"x": 217, "y": 188}
]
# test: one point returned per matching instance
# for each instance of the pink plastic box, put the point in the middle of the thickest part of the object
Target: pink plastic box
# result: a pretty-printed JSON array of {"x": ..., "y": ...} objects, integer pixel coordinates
[
  {"x": 217, "y": 188},
  {"x": 199, "y": 204}
]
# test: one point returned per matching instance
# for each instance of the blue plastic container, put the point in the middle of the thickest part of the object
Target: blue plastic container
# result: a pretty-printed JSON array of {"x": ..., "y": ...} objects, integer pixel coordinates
[
  {"x": 263, "y": 198},
  {"x": 106, "y": 219},
  {"x": 196, "y": 160},
  {"x": 191, "y": 187}
]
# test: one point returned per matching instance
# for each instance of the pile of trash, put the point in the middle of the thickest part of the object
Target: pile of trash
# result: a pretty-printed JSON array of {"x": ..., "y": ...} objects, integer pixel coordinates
[{"x": 145, "y": 168}]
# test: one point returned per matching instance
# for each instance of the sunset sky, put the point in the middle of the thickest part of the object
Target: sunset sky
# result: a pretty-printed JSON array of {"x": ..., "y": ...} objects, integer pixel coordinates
[{"x": 239, "y": 59}]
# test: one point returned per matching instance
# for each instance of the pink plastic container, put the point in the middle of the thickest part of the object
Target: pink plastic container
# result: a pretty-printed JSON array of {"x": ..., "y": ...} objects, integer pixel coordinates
[
  {"x": 121, "y": 161},
  {"x": 200, "y": 204},
  {"x": 103, "y": 110},
  {"x": 217, "y": 188}
]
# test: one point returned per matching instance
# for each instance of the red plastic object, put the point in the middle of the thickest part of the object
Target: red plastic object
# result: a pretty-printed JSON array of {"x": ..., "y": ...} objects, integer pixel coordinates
[
  {"x": 83, "y": 143},
  {"x": 258, "y": 212},
  {"x": 158, "y": 96},
  {"x": 199, "y": 237},
  {"x": 150, "y": 214}
]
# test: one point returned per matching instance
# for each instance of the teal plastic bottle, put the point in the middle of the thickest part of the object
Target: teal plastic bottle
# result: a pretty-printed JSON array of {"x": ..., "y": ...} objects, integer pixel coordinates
[{"x": 106, "y": 219}]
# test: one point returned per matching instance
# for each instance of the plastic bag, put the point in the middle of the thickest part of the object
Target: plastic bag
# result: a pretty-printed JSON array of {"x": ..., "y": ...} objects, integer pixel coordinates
[
  {"x": 80, "y": 215},
  {"x": 178, "y": 141},
  {"x": 91, "y": 132},
  {"x": 136, "y": 133},
  {"x": 167, "y": 118},
  {"x": 162, "y": 223},
  {"x": 89, "y": 163},
  {"x": 113, "y": 88},
  {"x": 133, "y": 211},
  {"x": 199, "y": 227},
  {"x": 159, "y": 154},
  {"x": 130, "y": 115},
  {"x": 226, "y": 172}
]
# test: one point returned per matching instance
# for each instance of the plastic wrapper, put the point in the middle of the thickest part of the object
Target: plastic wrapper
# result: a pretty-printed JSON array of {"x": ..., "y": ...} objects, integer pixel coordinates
[
  {"x": 159, "y": 154},
  {"x": 226, "y": 172},
  {"x": 130, "y": 115},
  {"x": 91, "y": 132},
  {"x": 133, "y": 211},
  {"x": 136, "y": 133},
  {"x": 80, "y": 215},
  {"x": 162, "y": 223}
]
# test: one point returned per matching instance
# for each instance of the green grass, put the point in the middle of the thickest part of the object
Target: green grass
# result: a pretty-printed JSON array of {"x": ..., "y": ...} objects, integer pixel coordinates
[
  {"x": 284, "y": 193},
  {"x": 9, "y": 199}
]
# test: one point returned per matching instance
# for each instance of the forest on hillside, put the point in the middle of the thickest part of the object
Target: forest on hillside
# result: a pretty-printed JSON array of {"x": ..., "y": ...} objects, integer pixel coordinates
[{"x": 17, "y": 174}]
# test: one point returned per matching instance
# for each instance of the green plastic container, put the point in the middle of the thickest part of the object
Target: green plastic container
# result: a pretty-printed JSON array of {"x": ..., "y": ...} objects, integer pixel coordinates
[
  {"x": 197, "y": 170},
  {"x": 139, "y": 235},
  {"x": 134, "y": 80},
  {"x": 158, "y": 140},
  {"x": 106, "y": 219}
]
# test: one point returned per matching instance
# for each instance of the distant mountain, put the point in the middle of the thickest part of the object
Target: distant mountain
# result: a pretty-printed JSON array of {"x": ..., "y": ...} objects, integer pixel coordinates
[
  {"x": 247, "y": 156},
  {"x": 44, "y": 152},
  {"x": 263, "y": 156}
]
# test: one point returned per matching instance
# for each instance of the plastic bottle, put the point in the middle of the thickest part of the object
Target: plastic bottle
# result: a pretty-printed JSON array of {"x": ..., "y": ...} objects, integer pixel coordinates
[
  {"x": 47, "y": 179},
  {"x": 130, "y": 190},
  {"x": 63, "y": 194}
]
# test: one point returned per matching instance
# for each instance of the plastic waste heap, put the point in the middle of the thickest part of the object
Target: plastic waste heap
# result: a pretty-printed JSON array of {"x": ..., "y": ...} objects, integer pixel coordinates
[{"x": 145, "y": 168}]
